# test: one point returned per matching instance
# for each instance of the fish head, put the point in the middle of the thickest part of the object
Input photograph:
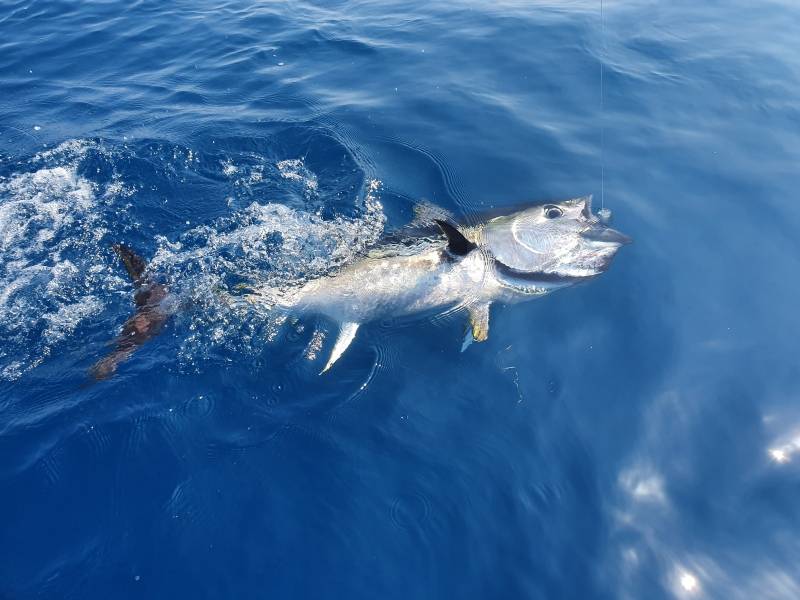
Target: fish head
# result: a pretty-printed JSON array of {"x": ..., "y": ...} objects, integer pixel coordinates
[{"x": 550, "y": 245}]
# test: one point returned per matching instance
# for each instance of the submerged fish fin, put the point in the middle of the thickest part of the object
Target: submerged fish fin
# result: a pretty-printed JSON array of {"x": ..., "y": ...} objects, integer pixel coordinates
[
  {"x": 456, "y": 242},
  {"x": 134, "y": 264},
  {"x": 347, "y": 331},
  {"x": 467, "y": 339},
  {"x": 478, "y": 329}
]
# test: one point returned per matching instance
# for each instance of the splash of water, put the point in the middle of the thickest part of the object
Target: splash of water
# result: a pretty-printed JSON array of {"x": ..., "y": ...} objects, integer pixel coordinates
[
  {"x": 52, "y": 270},
  {"x": 266, "y": 244},
  {"x": 57, "y": 273}
]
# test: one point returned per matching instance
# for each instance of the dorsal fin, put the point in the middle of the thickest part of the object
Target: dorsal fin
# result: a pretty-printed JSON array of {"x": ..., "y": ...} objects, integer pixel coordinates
[
  {"x": 456, "y": 242},
  {"x": 134, "y": 264}
]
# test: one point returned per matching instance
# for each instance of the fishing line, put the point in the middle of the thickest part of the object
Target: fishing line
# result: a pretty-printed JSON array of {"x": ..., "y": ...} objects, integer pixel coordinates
[{"x": 602, "y": 112}]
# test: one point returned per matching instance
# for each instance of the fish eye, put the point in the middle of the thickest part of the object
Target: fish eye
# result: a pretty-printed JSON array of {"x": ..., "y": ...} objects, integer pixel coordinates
[{"x": 552, "y": 212}]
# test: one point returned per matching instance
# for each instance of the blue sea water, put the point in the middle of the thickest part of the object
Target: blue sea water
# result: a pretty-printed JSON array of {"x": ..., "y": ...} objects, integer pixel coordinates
[{"x": 635, "y": 437}]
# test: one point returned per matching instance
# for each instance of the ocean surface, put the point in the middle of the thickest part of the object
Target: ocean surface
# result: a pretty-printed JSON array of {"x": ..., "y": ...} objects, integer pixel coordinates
[{"x": 635, "y": 437}]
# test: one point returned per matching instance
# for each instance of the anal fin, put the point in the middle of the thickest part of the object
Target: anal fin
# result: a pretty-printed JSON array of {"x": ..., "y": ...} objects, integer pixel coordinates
[
  {"x": 347, "y": 332},
  {"x": 478, "y": 330}
]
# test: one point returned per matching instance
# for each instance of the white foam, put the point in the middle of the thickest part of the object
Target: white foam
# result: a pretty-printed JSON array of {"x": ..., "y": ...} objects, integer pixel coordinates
[
  {"x": 228, "y": 168},
  {"x": 295, "y": 169},
  {"x": 50, "y": 259},
  {"x": 37, "y": 205},
  {"x": 266, "y": 244},
  {"x": 67, "y": 317},
  {"x": 56, "y": 271},
  {"x": 309, "y": 244}
]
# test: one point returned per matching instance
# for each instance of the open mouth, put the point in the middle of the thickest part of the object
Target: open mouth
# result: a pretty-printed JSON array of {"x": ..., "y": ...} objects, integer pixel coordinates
[
  {"x": 606, "y": 235},
  {"x": 537, "y": 279}
]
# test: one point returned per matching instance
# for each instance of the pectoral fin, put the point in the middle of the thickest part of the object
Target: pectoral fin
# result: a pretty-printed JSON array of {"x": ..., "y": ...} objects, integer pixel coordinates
[
  {"x": 347, "y": 332},
  {"x": 478, "y": 330}
]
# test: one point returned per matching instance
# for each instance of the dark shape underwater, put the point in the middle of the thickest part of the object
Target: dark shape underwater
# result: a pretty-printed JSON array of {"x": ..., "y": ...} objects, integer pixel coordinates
[{"x": 146, "y": 323}]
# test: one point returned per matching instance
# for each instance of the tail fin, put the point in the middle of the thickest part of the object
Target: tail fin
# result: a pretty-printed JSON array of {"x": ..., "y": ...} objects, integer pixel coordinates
[
  {"x": 134, "y": 264},
  {"x": 145, "y": 323}
]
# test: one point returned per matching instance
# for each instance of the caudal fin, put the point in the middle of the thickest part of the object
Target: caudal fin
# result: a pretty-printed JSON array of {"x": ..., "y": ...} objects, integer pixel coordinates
[
  {"x": 145, "y": 323},
  {"x": 134, "y": 264}
]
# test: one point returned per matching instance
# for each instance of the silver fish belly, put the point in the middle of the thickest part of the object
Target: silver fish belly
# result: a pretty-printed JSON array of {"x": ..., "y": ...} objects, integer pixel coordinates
[{"x": 373, "y": 289}]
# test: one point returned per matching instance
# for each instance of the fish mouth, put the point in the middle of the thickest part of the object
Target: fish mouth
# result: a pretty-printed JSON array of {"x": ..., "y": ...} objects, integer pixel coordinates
[
  {"x": 606, "y": 235},
  {"x": 535, "y": 282}
]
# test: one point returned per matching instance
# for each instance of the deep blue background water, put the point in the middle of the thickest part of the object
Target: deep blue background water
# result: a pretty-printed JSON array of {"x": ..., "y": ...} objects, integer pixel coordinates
[{"x": 638, "y": 437}]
